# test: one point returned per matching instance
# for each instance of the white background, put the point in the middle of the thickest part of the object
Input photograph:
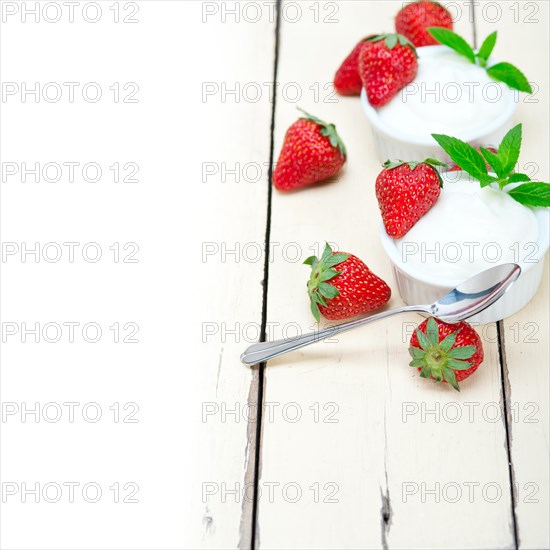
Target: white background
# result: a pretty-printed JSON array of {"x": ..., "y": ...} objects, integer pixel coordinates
[{"x": 168, "y": 131}]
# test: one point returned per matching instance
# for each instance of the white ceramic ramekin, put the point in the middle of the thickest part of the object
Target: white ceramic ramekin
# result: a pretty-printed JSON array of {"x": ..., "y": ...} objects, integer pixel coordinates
[
  {"x": 390, "y": 144},
  {"x": 425, "y": 286}
]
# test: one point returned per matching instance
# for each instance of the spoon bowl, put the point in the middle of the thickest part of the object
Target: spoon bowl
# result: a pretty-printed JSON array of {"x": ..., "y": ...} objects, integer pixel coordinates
[
  {"x": 475, "y": 294},
  {"x": 466, "y": 300}
]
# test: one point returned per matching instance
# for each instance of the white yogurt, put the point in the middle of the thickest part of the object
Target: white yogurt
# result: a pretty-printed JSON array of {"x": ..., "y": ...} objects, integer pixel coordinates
[
  {"x": 470, "y": 229},
  {"x": 449, "y": 95}
]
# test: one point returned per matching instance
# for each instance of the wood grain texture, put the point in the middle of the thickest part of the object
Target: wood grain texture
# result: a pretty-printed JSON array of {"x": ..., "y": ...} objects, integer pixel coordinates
[
  {"x": 372, "y": 466},
  {"x": 235, "y": 134},
  {"x": 523, "y": 40}
]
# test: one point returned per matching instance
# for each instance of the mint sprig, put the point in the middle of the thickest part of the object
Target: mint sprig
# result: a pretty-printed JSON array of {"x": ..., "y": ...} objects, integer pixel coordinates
[
  {"x": 487, "y": 49},
  {"x": 454, "y": 41},
  {"x": 518, "y": 178},
  {"x": 508, "y": 151},
  {"x": 532, "y": 193},
  {"x": 507, "y": 73},
  {"x": 503, "y": 163},
  {"x": 502, "y": 72}
]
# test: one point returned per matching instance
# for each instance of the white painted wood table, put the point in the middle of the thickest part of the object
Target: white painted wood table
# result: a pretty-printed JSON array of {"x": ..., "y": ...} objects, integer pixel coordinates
[
  {"x": 340, "y": 445},
  {"x": 354, "y": 450}
]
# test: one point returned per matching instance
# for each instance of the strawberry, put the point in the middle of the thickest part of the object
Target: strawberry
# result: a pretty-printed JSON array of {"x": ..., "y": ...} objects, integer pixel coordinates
[
  {"x": 405, "y": 192},
  {"x": 349, "y": 290},
  {"x": 387, "y": 63},
  {"x": 312, "y": 151},
  {"x": 347, "y": 80},
  {"x": 457, "y": 168},
  {"x": 440, "y": 351},
  {"x": 413, "y": 20}
]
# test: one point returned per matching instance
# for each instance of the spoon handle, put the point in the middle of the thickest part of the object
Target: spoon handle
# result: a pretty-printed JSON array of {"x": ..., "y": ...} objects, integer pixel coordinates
[{"x": 258, "y": 353}]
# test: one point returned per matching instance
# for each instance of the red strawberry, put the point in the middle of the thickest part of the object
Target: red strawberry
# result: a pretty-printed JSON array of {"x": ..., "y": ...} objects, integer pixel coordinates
[
  {"x": 347, "y": 80},
  {"x": 413, "y": 20},
  {"x": 439, "y": 351},
  {"x": 387, "y": 63},
  {"x": 405, "y": 192},
  {"x": 312, "y": 151},
  {"x": 456, "y": 167},
  {"x": 349, "y": 290}
]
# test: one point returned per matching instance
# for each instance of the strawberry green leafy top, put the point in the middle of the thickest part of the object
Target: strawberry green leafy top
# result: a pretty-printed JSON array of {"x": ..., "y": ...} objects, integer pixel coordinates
[
  {"x": 439, "y": 360},
  {"x": 391, "y": 41},
  {"x": 503, "y": 72},
  {"x": 434, "y": 163},
  {"x": 529, "y": 193},
  {"x": 322, "y": 270},
  {"x": 327, "y": 130}
]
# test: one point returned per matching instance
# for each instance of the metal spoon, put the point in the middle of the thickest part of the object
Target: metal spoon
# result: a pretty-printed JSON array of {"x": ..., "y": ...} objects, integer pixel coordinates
[{"x": 466, "y": 300}]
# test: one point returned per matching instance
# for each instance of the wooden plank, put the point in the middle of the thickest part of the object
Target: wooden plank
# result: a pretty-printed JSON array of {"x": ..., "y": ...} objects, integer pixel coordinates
[
  {"x": 375, "y": 469},
  {"x": 197, "y": 303},
  {"x": 525, "y": 335}
]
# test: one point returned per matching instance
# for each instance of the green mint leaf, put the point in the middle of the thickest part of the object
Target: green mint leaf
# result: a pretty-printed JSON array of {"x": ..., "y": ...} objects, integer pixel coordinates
[
  {"x": 487, "y": 180},
  {"x": 435, "y": 162},
  {"x": 315, "y": 311},
  {"x": 423, "y": 340},
  {"x": 508, "y": 151},
  {"x": 328, "y": 291},
  {"x": 432, "y": 332},
  {"x": 448, "y": 342},
  {"x": 450, "y": 377},
  {"x": 532, "y": 194},
  {"x": 517, "y": 178},
  {"x": 507, "y": 73},
  {"x": 493, "y": 161},
  {"x": 335, "y": 259},
  {"x": 454, "y": 41},
  {"x": 487, "y": 48},
  {"x": 464, "y": 155},
  {"x": 463, "y": 352},
  {"x": 456, "y": 364}
]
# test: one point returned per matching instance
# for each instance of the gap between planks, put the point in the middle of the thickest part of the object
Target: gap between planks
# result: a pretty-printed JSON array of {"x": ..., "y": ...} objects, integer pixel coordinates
[
  {"x": 249, "y": 535},
  {"x": 506, "y": 397}
]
